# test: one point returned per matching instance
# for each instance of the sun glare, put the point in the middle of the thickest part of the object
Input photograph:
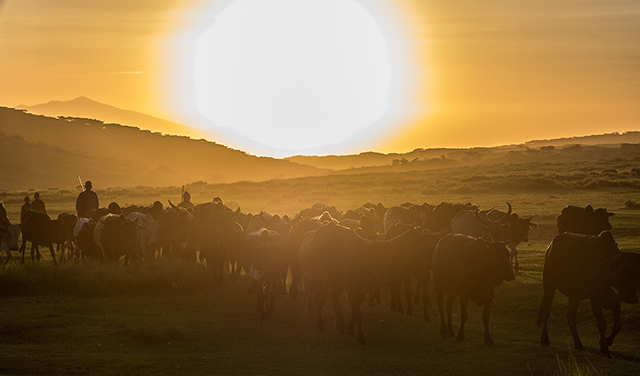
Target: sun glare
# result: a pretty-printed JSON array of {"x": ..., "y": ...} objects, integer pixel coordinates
[{"x": 293, "y": 74}]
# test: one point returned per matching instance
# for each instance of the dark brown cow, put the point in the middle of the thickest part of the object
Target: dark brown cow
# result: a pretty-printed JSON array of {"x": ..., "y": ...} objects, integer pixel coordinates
[
  {"x": 65, "y": 224},
  {"x": 340, "y": 260},
  {"x": 214, "y": 231},
  {"x": 9, "y": 239},
  {"x": 444, "y": 212},
  {"x": 292, "y": 248},
  {"x": 469, "y": 268},
  {"x": 40, "y": 230},
  {"x": 264, "y": 260},
  {"x": 400, "y": 214},
  {"x": 515, "y": 231},
  {"x": 588, "y": 267},
  {"x": 584, "y": 220},
  {"x": 411, "y": 257},
  {"x": 173, "y": 231},
  {"x": 118, "y": 239},
  {"x": 87, "y": 247}
]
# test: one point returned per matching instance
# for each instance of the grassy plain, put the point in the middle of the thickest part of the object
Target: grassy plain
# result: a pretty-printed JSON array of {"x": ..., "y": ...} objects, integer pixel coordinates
[{"x": 163, "y": 317}]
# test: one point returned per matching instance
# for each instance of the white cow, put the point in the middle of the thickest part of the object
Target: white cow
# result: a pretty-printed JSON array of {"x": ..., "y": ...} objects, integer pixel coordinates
[{"x": 147, "y": 234}]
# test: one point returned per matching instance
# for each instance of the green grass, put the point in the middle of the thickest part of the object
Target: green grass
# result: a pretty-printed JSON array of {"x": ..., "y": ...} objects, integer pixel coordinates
[
  {"x": 163, "y": 317},
  {"x": 218, "y": 332}
]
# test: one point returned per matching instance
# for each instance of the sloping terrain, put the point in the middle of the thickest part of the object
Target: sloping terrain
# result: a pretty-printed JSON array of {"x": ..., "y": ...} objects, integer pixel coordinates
[{"x": 129, "y": 156}]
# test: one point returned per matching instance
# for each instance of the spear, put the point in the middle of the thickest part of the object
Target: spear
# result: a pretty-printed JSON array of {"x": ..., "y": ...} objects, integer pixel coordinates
[{"x": 81, "y": 185}]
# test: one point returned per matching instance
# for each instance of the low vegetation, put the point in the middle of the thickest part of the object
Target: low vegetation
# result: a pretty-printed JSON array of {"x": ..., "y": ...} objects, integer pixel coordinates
[{"x": 163, "y": 317}]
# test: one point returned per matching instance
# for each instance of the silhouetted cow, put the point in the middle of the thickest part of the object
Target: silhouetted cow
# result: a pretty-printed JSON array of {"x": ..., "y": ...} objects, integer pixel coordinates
[
  {"x": 468, "y": 267},
  {"x": 64, "y": 237},
  {"x": 83, "y": 234},
  {"x": 583, "y": 220},
  {"x": 264, "y": 260},
  {"x": 9, "y": 239},
  {"x": 444, "y": 212},
  {"x": 588, "y": 267},
  {"x": 400, "y": 214},
  {"x": 40, "y": 230},
  {"x": 338, "y": 259},
  {"x": 478, "y": 224},
  {"x": 118, "y": 239},
  {"x": 515, "y": 231},
  {"x": 411, "y": 257},
  {"x": 173, "y": 230}
]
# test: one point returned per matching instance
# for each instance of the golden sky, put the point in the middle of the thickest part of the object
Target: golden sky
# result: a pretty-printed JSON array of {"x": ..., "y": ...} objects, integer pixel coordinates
[{"x": 475, "y": 73}]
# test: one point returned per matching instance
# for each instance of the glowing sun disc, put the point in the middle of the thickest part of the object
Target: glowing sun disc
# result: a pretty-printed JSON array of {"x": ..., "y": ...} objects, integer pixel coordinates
[{"x": 293, "y": 74}]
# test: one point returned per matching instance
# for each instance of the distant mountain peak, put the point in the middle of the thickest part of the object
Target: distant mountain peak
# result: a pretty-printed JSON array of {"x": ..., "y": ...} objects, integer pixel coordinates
[{"x": 85, "y": 107}]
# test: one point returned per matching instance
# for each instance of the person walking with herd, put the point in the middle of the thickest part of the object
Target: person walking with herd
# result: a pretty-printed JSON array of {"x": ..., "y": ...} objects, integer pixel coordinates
[
  {"x": 37, "y": 204},
  {"x": 86, "y": 200}
]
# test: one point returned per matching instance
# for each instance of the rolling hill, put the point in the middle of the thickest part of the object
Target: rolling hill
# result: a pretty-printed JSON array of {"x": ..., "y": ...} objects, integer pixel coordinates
[
  {"x": 41, "y": 151},
  {"x": 84, "y": 107}
]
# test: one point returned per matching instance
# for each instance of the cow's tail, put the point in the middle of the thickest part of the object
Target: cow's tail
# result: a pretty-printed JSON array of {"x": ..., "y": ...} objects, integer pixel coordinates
[
  {"x": 545, "y": 310},
  {"x": 549, "y": 291}
]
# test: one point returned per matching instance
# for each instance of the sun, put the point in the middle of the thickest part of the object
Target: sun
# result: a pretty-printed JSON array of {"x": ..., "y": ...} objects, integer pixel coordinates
[{"x": 294, "y": 75}]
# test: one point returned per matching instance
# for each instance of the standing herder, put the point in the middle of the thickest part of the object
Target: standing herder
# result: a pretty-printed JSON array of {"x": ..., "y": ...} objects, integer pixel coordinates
[
  {"x": 25, "y": 208},
  {"x": 37, "y": 204},
  {"x": 86, "y": 201},
  {"x": 186, "y": 201}
]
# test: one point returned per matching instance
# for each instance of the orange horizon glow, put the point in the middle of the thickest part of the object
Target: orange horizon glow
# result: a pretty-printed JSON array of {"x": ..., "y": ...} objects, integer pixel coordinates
[{"x": 485, "y": 74}]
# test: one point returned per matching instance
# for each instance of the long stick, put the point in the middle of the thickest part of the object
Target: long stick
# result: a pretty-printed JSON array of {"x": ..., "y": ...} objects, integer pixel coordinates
[
  {"x": 182, "y": 195},
  {"x": 80, "y": 180}
]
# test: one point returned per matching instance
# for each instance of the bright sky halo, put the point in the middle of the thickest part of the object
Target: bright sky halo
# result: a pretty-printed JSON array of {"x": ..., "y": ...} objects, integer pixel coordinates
[{"x": 293, "y": 74}]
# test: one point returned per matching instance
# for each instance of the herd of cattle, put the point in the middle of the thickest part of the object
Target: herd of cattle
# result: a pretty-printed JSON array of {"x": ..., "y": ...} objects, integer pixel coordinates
[{"x": 326, "y": 252}]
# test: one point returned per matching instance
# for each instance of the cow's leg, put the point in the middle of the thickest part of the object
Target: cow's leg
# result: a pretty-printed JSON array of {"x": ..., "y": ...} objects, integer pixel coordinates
[
  {"x": 395, "y": 305},
  {"x": 408, "y": 293},
  {"x": 545, "y": 310},
  {"x": 259, "y": 299},
  {"x": 617, "y": 323},
  {"x": 417, "y": 296},
  {"x": 374, "y": 295},
  {"x": 425, "y": 298},
  {"x": 35, "y": 252},
  {"x": 271, "y": 298},
  {"x": 514, "y": 257},
  {"x": 602, "y": 328},
  {"x": 60, "y": 248},
  {"x": 295, "y": 280},
  {"x": 337, "y": 309},
  {"x": 450, "y": 299},
  {"x": 52, "y": 250},
  {"x": 440, "y": 300},
  {"x": 486, "y": 310},
  {"x": 463, "y": 318},
  {"x": 572, "y": 314},
  {"x": 8, "y": 251},
  {"x": 355, "y": 300},
  {"x": 22, "y": 249},
  {"x": 320, "y": 296}
]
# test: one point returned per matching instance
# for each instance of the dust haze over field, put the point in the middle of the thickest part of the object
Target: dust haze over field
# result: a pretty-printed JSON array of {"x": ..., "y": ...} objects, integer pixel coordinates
[{"x": 531, "y": 103}]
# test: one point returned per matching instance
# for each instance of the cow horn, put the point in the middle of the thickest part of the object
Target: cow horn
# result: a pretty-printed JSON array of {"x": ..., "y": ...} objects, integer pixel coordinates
[
  {"x": 507, "y": 214},
  {"x": 172, "y": 205},
  {"x": 480, "y": 218},
  {"x": 367, "y": 241},
  {"x": 265, "y": 221},
  {"x": 401, "y": 236}
]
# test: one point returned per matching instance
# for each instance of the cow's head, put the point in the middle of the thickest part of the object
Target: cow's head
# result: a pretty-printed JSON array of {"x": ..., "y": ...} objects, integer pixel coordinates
[
  {"x": 626, "y": 276},
  {"x": 495, "y": 260}
]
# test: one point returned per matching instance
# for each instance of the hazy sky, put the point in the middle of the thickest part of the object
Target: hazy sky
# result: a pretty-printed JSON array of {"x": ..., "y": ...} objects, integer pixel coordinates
[{"x": 464, "y": 73}]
